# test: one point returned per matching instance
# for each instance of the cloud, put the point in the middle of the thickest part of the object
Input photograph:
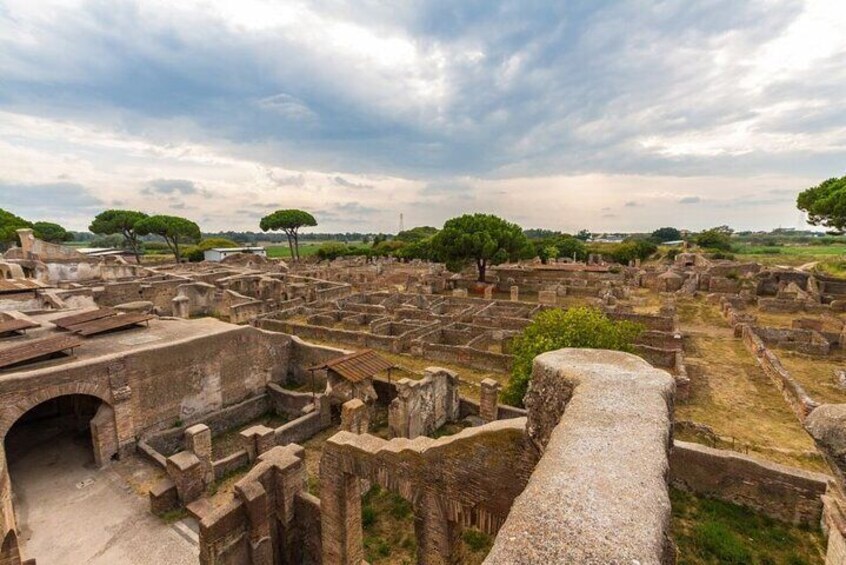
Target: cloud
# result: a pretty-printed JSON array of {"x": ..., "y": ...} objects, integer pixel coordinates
[
  {"x": 456, "y": 104},
  {"x": 690, "y": 200},
  {"x": 341, "y": 181},
  {"x": 49, "y": 201},
  {"x": 170, "y": 186}
]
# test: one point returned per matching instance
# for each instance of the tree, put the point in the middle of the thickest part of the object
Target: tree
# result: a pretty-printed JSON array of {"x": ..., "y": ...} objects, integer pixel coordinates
[
  {"x": 9, "y": 226},
  {"x": 825, "y": 204},
  {"x": 175, "y": 230},
  {"x": 290, "y": 222},
  {"x": 482, "y": 238},
  {"x": 633, "y": 248},
  {"x": 666, "y": 234},
  {"x": 584, "y": 327},
  {"x": 51, "y": 232},
  {"x": 197, "y": 252},
  {"x": 123, "y": 222},
  {"x": 414, "y": 235},
  {"x": 584, "y": 235},
  {"x": 718, "y": 238},
  {"x": 331, "y": 250}
]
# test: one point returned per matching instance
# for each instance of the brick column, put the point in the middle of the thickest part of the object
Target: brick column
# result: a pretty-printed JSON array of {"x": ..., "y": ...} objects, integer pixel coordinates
[
  {"x": 488, "y": 292},
  {"x": 438, "y": 539},
  {"x": 122, "y": 405},
  {"x": 355, "y": 417},
  {"x": 198, "y": 440},
  {"x": 186, "y": 472},
  {"x": 489, "y": 401},
  {"x": 340, "y": 509},
  {"x": 515, "y": 293},
  {"x": 257, "y": 440},
  {"x": 254, "y": 497}
]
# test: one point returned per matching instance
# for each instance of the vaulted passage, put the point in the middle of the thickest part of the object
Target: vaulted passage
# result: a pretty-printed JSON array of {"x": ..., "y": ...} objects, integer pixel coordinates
[{"x": 62, "y": 495}]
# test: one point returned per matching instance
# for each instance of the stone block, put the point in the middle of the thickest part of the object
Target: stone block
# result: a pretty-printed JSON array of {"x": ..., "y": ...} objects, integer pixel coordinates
[
  {"x": 163, "y": 497},
  {"x": 187, "y": 473},
  {"x": 515, "y": 293},
  {"x": 548, "y": 297}
]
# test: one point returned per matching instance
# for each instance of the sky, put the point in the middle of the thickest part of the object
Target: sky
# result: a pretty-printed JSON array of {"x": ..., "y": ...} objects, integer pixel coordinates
[{"x": 605, "y": 115}]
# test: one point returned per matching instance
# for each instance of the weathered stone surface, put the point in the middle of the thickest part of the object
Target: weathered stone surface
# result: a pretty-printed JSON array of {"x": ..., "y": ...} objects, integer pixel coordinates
[
  {"x": 827, "y": 425},
  {"x": 599, "y": 493}
]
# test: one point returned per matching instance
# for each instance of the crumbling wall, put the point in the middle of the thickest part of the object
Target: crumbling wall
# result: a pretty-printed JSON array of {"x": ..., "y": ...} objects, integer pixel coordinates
[
  {"x": 799, "y": 400},
  {"x": 784, "y": 493},
  {"x": 423, "y": 406},
  {"x": 271, "y": 519},
  {"x": 469, "y": 479}
]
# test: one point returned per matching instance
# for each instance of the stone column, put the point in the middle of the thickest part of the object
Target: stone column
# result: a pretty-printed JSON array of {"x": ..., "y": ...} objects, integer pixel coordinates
[
  {"x": 198, "y": 440},
  {"x": 489, "y": 401},
  {"x": 254, "y": 497},
  {"x": 489, "y": 292},
  {"x": 355, "y": 417},
  {"x": 181, "y": 307},
  {"x": 438, "y": 539},
  {"x": 340, "y": 510},
  {"x": 187, "y": 474},
  {"x": 515, "y": 293},
  {"x": 257, "y": 440}
]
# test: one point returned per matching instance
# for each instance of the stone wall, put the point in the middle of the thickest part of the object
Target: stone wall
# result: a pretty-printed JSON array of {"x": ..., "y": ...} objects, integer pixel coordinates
[
  {"x": 271, "y": 518},
  {"x": 799, "y": 400},
  {"x": 469, "y": 479},
  {"x": 423, "y": 406},
  {"x": 784, "y": 493},
  {"x": 610, "y": 447}
]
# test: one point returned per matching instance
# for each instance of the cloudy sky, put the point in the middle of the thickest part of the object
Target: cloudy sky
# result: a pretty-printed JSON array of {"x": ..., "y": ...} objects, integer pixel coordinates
[{"x": 623, "y": 115}]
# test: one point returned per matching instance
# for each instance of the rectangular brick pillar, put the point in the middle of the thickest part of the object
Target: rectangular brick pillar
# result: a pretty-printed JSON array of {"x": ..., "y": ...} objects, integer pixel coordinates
[
  {"x": 198, "y": 440},
  {"x": 355, "y": 417},
  {"x": 254, "y": 497},
  {"x": 515, "y": 293},
  {"x": 340, "y": 509},
  {"x": 438, "y": 539},
  {"x": 488, "y": 292},
  {"x": 489, "y": 400},
  {"x": 187, "y": 474},
  {"x": 257, "y": 440},
  {"x": 104, "y": 435}
]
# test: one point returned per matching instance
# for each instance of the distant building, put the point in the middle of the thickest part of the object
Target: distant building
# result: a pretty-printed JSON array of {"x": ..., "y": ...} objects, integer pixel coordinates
[{"x": 220, "y": 253}]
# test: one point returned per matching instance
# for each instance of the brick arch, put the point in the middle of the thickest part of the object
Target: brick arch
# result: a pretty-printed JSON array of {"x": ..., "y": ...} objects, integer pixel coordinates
[
  {"x": 9, "y": 552},
  {"x": 11, "y": 413}
]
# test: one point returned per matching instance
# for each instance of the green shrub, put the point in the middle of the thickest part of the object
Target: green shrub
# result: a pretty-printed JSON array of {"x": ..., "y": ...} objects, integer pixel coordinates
[
  {"x": 368, "y": 516},
  {"x": 554, "y": 329},
  {"x": 196, "y": 253},
  {"x": 476, "y": 540}
]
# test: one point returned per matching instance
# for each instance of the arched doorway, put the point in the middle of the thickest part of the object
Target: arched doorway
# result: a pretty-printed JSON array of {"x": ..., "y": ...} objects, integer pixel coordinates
[{"x": 53, "y": 451}]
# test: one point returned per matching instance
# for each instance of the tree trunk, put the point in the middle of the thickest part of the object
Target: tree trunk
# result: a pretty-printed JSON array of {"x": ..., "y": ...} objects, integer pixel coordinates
[
  {"x": 481, "y": 265},
  {"x": 297, "y": 244},
  {"x": 176, "y": 250},
  {"x": 291, "y": 246}
]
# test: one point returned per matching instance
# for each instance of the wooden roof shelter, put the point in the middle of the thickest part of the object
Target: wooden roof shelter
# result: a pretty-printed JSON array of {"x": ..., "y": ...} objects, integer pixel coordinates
[
  {"x": 15, "y": 326},
  {"x": 38, "y": 349},
  {"x": 357, "y": 366},
  {"x": 110, "y": 323},
  {"x": 67, "y": 322}
]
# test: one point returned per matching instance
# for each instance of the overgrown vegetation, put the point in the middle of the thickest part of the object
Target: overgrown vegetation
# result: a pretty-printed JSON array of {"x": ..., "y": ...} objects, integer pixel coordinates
[
  {"x": 388, "y": 527},
  {"x": 709, "y": 532},
  {"x": 585, "y": 327}
]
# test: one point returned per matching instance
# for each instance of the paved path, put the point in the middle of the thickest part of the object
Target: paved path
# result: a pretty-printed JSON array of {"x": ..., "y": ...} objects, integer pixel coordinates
[{"x": 71, "y": 513}]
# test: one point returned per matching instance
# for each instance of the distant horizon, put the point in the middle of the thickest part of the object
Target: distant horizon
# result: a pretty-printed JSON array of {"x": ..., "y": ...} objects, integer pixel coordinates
[{"x": 618, "y": 117}]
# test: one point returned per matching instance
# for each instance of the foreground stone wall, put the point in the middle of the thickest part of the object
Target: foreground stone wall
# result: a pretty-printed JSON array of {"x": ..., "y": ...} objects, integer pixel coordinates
[
  {"x": 469, "y": 479},
  {"x": 610, "y": 448}
]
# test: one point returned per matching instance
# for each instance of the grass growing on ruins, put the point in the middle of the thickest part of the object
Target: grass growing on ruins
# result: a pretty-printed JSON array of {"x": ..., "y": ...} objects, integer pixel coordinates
[
  {"x": 388, "y": 524},
  {"x": 816, "y": 374},
  {"x": 709, "y": 531},
  {"x": 730, "y": 394}
]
